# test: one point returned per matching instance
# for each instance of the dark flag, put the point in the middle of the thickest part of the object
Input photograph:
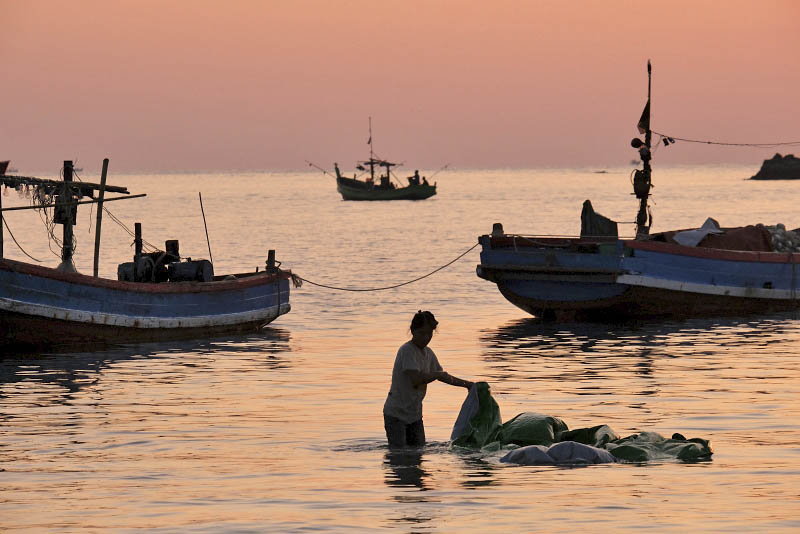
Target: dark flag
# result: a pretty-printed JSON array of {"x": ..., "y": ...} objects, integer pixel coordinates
[
  {"x": 369, "y": 141},
  {"x": 644, "y": 120}
]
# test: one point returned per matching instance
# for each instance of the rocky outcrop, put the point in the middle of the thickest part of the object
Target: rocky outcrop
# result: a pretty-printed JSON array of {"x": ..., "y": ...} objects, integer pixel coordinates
[{"x": 779, "y": 168}]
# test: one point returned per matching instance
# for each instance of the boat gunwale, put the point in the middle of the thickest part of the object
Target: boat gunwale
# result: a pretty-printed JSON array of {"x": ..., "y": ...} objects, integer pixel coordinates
[
  {"x": 525, "y": 241},
  {"x": 250, "y": 280}
]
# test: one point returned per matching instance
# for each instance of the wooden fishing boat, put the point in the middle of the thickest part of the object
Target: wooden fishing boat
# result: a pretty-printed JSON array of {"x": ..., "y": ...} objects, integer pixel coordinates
[
  {"x": 383, "y": 188},
  {"x": 708, "y": 271},
  {"x": 354, "y": 189},
  {"x": 157, "y": 296}
]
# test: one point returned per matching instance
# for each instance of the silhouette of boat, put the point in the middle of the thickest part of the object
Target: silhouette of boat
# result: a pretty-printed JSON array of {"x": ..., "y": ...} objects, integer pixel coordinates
[
  {"x": 157, "y": 296},
  {"x": 709, "y": 271},
  {"x": 382, "y": 189}
]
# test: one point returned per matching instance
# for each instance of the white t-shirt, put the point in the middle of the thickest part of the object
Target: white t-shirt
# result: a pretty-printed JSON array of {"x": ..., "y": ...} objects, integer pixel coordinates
[{"x": 405, "y": 400}]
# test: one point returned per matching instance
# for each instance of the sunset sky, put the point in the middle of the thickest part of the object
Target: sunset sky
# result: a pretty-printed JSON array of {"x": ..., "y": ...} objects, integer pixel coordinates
[{"x": 260, "y": 85}]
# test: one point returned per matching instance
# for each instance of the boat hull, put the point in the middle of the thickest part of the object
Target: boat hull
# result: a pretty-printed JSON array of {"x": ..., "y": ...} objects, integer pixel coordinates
[
  {"x": 44, "y": 307},
  {"x": 610, "y": 279},
  {"x": 351, "y": 189}
]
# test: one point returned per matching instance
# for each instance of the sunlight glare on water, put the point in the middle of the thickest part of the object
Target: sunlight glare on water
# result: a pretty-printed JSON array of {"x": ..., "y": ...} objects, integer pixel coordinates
[{"x": 282, "y": 431}]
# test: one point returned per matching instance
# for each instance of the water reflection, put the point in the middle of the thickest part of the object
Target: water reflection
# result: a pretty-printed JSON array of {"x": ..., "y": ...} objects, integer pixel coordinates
[
  {"x": 640, "y": 343},
  {"x": 74, "y": 371},
  {"x": 478, "y": 471},
  {"x": 403, "y": 468},
  {"x": 622, "y": 364},
  {"x": 531, "y": 336}
]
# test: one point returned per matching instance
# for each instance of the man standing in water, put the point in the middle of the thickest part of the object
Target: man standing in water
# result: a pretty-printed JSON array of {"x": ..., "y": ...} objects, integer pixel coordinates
[{"x": 414, "y": 367}]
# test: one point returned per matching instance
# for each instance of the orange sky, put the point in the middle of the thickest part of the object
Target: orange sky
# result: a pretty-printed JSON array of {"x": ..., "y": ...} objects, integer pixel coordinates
[{"x": 243, "y": 85}]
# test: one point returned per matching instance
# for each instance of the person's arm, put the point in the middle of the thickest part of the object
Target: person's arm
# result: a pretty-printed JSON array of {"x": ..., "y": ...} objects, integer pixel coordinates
[
  {"x": 420, "y": 377},
  {"x": 447, "y": 378}
]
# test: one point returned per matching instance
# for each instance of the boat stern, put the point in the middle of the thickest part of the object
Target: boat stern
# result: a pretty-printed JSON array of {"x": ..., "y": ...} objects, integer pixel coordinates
[{"x": 549, "y": 277}]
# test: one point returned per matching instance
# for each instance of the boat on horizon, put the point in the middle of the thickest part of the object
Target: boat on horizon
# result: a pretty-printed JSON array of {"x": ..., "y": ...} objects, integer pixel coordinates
[
  {"x": 160, "y": 295},
  {"x": 383, "y": 188},
  {"x": 706, "y": 271}
]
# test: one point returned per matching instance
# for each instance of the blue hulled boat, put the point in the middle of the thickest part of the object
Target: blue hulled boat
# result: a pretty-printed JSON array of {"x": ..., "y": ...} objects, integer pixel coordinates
[
  {"x": 45, "y": 307},
  {"x": 159, "y": 295},
  {"x": 700, "y": 271},
  {"x": 600, "y": 278}
]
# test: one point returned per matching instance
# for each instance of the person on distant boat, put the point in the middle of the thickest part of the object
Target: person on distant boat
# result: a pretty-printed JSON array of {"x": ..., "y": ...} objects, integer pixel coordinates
[
  {"x": 414, "y": 180},
  {"x": 415, "y": 366},
  {"x": 425, "y": 181}
]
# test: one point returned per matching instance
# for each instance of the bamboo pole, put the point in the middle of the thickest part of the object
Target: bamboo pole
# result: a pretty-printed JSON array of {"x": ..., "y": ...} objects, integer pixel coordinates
[
  {"x": 16, "y": 208},
  {"x": 208, "y": 242},
  {"x": 99, "y": 222}
]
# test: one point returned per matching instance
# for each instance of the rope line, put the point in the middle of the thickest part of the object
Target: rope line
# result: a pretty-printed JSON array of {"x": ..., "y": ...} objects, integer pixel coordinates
[
  {"x": 395, "y": 285},
  {"x": 15, "y": 240},
  {"x": 755, "y": 145}
]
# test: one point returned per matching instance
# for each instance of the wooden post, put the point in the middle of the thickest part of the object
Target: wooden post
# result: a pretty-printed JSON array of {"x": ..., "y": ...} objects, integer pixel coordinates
[
  {"x": 99, "y": 222},
  {"x": 2, "y": 186},
  {"x": 137, "y": 240},
  {"x": 210, "y": 257},
  {"x": 66, "y": 249}
]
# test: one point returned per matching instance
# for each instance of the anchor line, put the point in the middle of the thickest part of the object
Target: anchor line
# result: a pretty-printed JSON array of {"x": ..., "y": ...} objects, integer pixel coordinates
[{"x": 392, "y": 286}]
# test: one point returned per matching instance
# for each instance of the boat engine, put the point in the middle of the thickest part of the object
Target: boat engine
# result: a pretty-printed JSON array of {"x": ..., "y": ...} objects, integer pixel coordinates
[
  {"x": 191, "y": 271},
  {"x": 165, "y": 266}
]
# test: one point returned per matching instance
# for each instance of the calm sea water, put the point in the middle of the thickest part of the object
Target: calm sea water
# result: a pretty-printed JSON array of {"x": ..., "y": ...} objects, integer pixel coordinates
[{"x": 282, "y": 431}]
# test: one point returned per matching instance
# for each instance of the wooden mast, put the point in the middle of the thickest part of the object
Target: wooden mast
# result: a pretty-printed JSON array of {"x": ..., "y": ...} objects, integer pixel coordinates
[
  {"x": 65, "y": 204},
  {"x": 371, "y": 156},
  {"x": 66, "y": 219},
  {"x": 99, "y": 222}
]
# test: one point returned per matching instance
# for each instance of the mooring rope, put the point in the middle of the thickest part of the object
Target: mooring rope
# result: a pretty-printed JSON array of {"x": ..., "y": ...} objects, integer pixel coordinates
[
  {"x": 15, "y": 240},
  {"x": 392, "y": 286}
]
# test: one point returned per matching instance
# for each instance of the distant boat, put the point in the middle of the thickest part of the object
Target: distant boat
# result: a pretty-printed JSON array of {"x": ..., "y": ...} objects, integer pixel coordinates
[
  {"x": 382, "y": 189},
  {"x": 700, "y": 271},
  {"x": 355, "y": 189},
  {"x": 159, "y": 295},
  {"x": 779, "y": 168}
]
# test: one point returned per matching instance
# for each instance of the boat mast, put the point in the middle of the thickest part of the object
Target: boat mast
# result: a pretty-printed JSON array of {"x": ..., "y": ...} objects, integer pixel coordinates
[
  {"x": 67, "y": 218},
  {"x": 371, "y": 157},
  {"x": 65, "y": 204},
  {"x": 641, "y": 179}
]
